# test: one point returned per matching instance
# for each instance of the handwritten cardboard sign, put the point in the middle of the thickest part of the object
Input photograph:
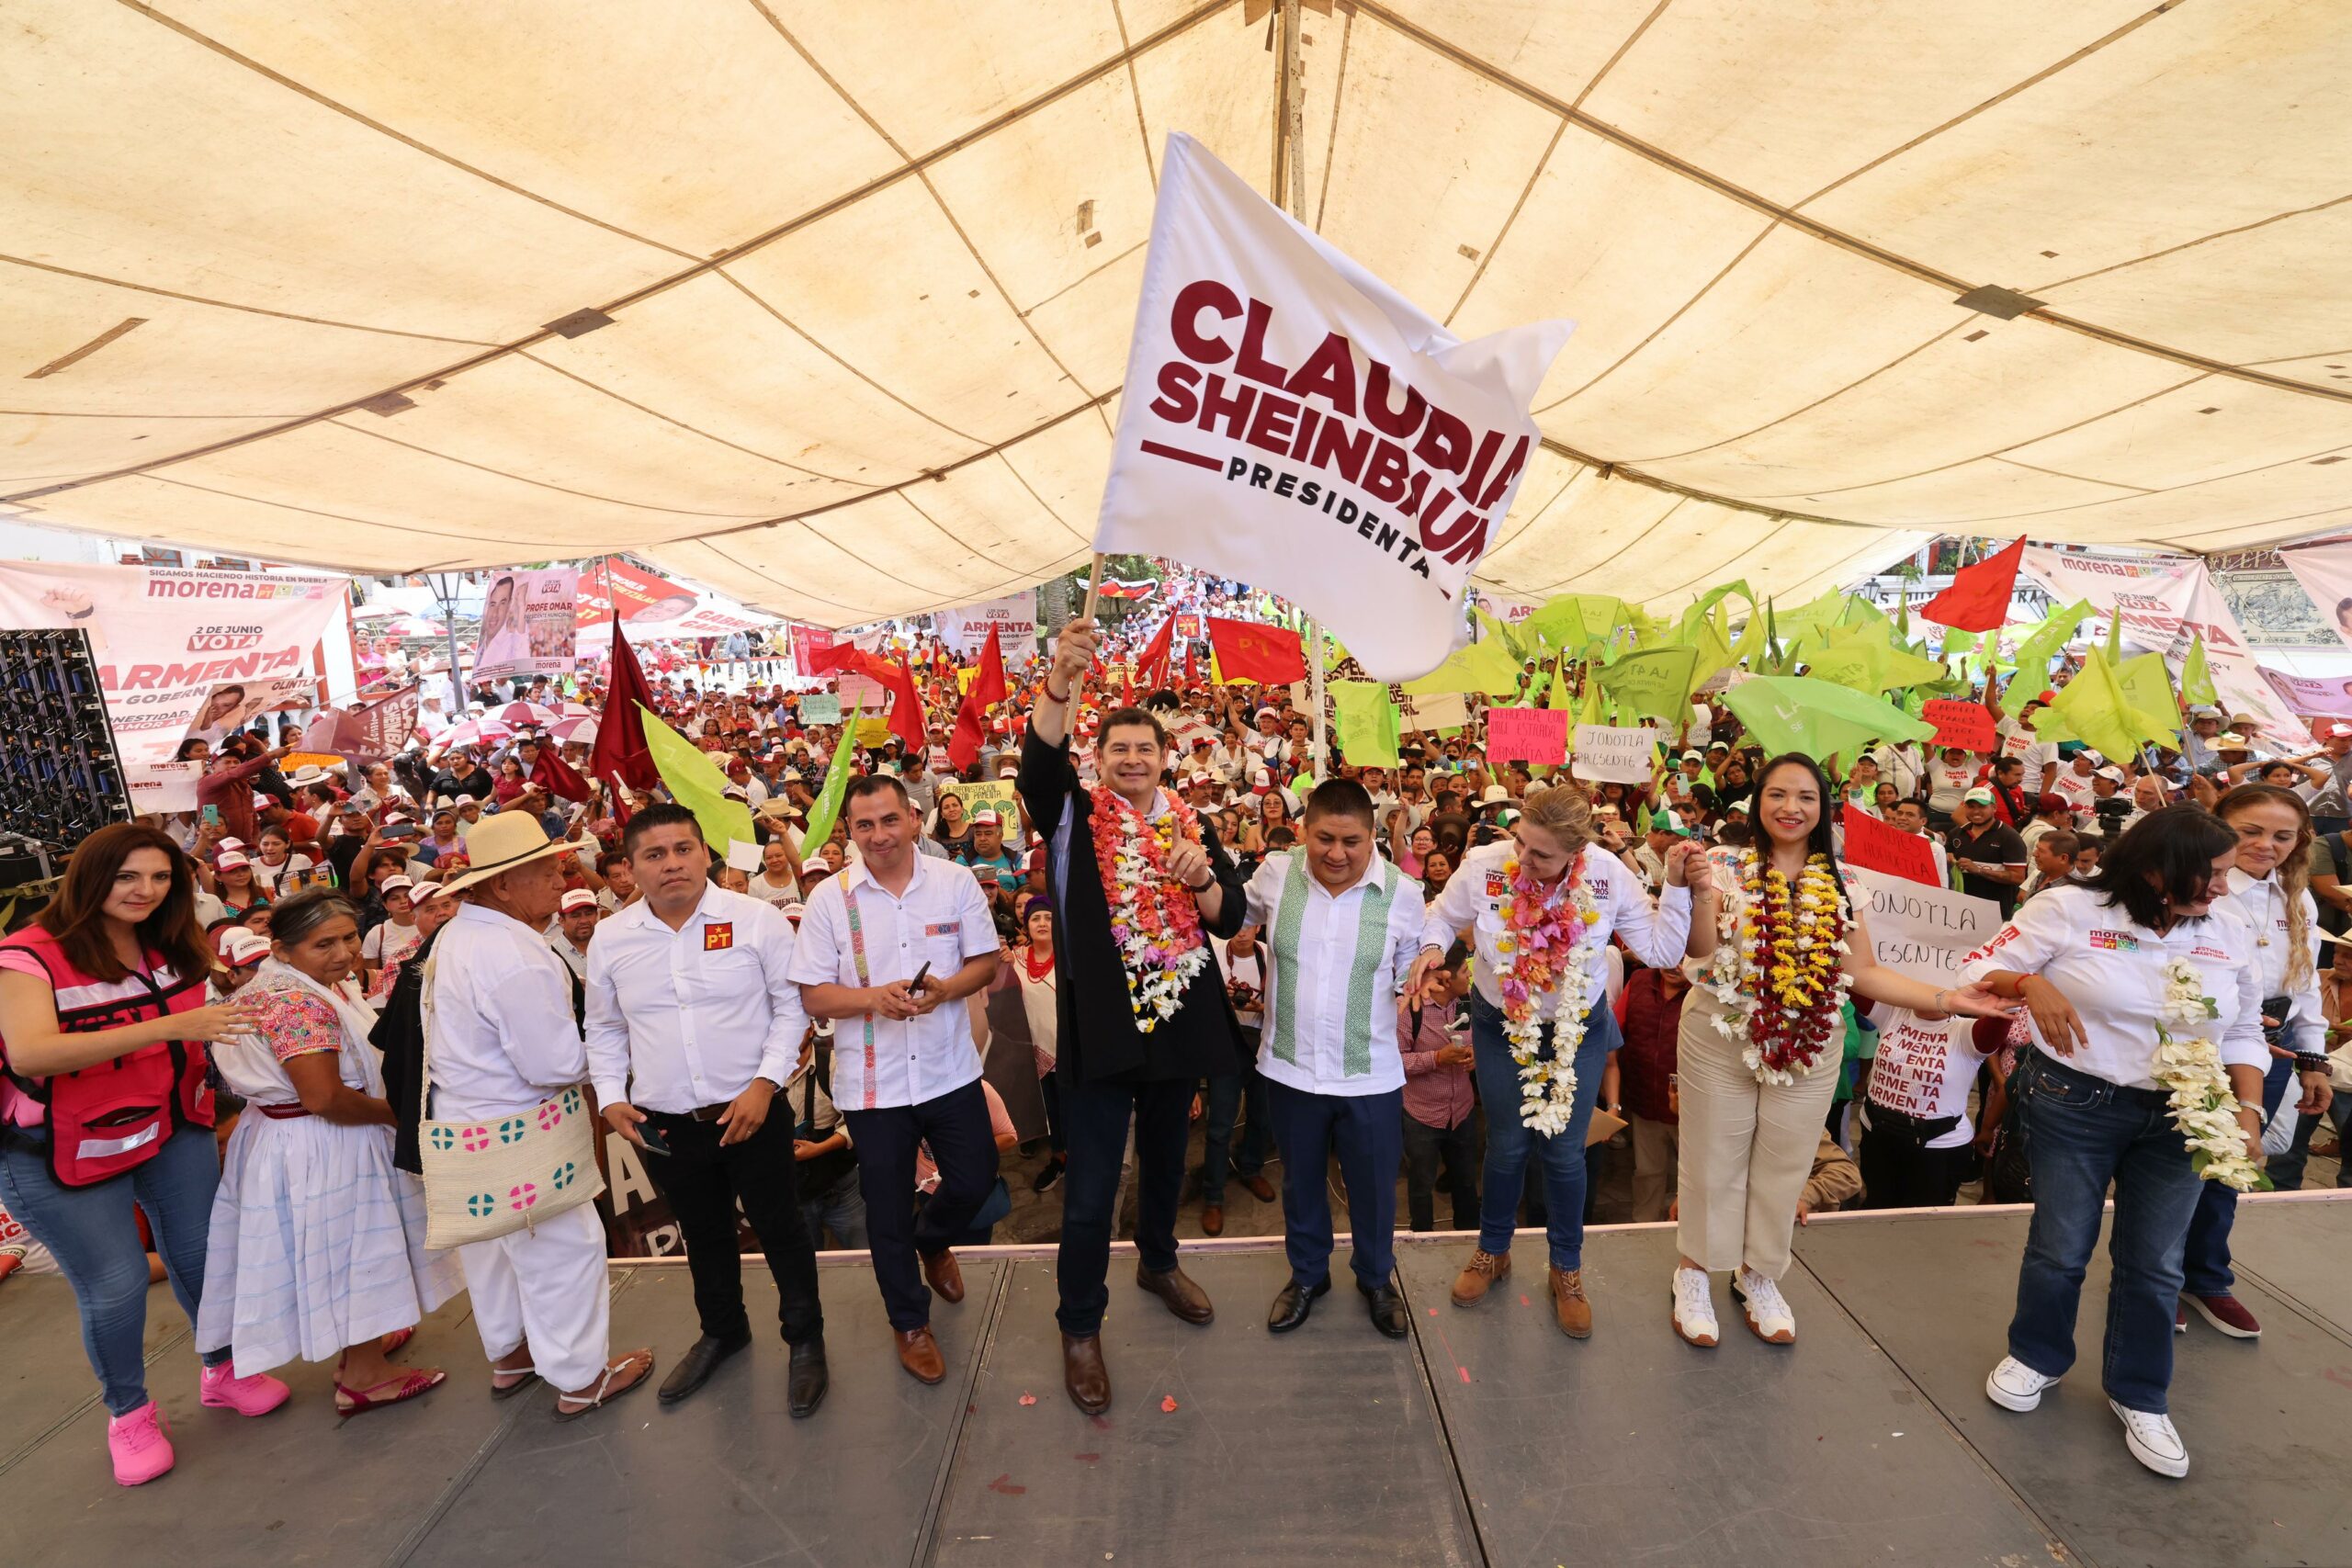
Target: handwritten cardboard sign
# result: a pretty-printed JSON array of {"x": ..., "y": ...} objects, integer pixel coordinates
[
  {"x": 1923, "y": 933},
  {"x": 1606, "y": 754},
  {"x": 1874, "y": 846},
  {"x": 820, "y": 707},
  {"x": 1959, "y": 723},
  {"x": 1527, "y": 735}
]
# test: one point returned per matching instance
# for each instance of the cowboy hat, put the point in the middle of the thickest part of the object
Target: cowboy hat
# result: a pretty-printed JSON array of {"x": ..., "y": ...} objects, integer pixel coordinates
[{"x": 502, "y": 842}]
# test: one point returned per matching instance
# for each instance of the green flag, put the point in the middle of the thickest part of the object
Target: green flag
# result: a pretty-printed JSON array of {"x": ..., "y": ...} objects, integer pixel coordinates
[
  {"x": 1698, "y": 612},
  {"x": 1591, "y": 712},
  {"x": 1558, "y": 696},
  {"x": 2042, "y": 644},
  {"x": 2093, "y": 707},
  {"x": 2115, "y": 639},
  {"x": 1487, "y": 666},
  {"x": 695, "y": 781},
  {"x": 1959, "y": 641},
  {"x": 1793, "y": 712},
  {"x": 2197, "y": 678},
  {"x": 1366, "y": 721},
  {"x": 2147, "y": 687},
  {"x": 828, "y": 807},
  {"x": 1715, "y": 648},
  {"x": 1655, "y": 682}
]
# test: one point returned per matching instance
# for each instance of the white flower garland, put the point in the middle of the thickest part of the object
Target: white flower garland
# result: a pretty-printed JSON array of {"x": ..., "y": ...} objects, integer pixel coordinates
[
  {"x": 1548, "y": 1089},
  {"x": 2203, "y": 1105}
]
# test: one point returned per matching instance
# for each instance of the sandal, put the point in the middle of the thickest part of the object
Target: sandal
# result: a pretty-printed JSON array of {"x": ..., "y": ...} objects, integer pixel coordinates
[
  {"x": 605, "y": 1389},
  {"x": 523, "y": 1377},
  {"x": 397, "y": 1340},
  {"x": 407, "y": 1386}
]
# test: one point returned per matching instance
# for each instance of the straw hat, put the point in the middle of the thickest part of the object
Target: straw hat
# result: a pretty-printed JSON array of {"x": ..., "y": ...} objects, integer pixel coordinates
[{"x": 500, "y": 843}]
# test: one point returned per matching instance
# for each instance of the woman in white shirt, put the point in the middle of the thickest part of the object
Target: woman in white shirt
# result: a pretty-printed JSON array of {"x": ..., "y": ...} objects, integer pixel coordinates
[
  {"x": 2107, "y": 969},
  {"x": 779, "y": 880},
  {"x": 1551, "y": 880},
  {"x": 1762, "y": 1053},
  {"x": 2270, "y": 886}
]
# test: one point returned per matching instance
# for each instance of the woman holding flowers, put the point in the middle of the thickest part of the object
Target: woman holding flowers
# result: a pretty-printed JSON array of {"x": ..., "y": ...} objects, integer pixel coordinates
[
  {"x": 1541, "y": 907},
  {"x": 1775, "y": 947},
  {"x": 2143, "y": 987}
]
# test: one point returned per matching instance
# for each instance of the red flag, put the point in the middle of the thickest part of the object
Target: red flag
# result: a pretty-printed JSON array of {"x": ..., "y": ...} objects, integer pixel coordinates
[
  {"x": 906, "y": 703},
  {"x": 1978, "y": 599},
  {"x": 557, "y": 776},
  {"x": 971, "y": 719},
  {"x": 1151, "y": 665},
  {"x": 1192, "y": 664},
  {"x": 620, "y": 757},
  {"x": 1247, "y": 651}
]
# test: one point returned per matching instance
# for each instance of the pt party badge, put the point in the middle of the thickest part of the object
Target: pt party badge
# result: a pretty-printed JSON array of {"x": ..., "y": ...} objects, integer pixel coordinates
[{"x": 719, "y": 937}]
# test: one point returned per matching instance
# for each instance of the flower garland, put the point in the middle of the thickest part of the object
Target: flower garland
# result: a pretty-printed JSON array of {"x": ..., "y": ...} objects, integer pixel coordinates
[
  {"x": 1154, "y": 919},
  {"x": 1782, "y": 982},
  {"x": 1550, "y": 941},
  {"x": 2203, "y": 1105}
]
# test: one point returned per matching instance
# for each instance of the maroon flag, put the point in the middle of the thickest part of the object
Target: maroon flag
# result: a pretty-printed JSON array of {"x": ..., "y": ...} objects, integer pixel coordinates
[
  {"x": 558, "y": 777},
  {"x": 971, "y": 719},
  {"x": 620, "y": 757}
]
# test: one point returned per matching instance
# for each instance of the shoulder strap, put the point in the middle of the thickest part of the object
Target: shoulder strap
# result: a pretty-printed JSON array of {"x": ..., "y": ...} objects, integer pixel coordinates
[{"x": 424, "y": 1035}]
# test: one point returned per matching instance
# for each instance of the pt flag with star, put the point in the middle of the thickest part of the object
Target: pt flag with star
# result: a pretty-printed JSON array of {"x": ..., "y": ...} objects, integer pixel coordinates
[
  {"x": 1293, "y": 422},
  {"x": 1251, "y": 651}
]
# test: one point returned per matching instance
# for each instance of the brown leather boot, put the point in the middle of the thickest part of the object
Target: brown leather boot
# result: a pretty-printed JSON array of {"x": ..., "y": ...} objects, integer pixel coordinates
[
  {"x": 944, "y": 1275},
  {"x": 1184, "y": 1298},
  {"x": 1479, "y": 1276},
  {"x": 1212, "y": 1220},
  {"x": 1568, "y": 1303},
  {"x": 1083, "y": 1374},
  {"x": 919, "y": 1353}
]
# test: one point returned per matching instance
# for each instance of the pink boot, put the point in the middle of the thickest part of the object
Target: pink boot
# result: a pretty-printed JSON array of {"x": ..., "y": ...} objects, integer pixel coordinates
[
  {"x": 140, "y": 1445},
  {"x": 220, "y": 1388}
]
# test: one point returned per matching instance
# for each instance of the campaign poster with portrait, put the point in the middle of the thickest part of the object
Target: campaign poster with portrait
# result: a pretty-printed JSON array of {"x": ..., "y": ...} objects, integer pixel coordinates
[{"x": 527, "y": 624}]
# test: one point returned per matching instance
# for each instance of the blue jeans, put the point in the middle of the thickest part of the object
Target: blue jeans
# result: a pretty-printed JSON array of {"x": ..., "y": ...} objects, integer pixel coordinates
[
  {"x": 2081, "y": 1134},
  {"x": 840, "y": 1209},
  {"x": 1367, "y": 1129},
  {"x": 94, "y": 1236},
  {"x": 1509, "y": 1141},
  {"x": 1229, "y": 1093}
]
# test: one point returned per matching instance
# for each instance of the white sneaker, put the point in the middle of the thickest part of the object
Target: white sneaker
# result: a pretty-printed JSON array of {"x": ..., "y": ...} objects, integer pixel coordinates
[
  {"x": 1694, "y": 1308},
  {"x": 1768, "y": 1315},
  {"x": 2153, "y": 1441},
  {"x": 2013, "y": 1385}
]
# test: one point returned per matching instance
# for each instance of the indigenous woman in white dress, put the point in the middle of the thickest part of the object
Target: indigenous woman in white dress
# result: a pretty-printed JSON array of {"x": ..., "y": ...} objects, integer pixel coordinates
[
  {"x": 1775, "y": 945},
  {"x": 318, "y": 1243}
]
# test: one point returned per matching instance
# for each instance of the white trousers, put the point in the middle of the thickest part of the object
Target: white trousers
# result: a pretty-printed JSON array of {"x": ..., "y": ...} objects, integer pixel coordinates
[{"x": 548, "y": 1285}]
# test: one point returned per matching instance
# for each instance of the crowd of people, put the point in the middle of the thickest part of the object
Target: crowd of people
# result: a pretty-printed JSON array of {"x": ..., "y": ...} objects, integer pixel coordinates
[{"x": 264, "y": 1037}]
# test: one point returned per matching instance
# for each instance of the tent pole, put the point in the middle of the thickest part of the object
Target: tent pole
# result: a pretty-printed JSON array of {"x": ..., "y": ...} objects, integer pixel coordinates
[{"x": 1291, "y": 172}]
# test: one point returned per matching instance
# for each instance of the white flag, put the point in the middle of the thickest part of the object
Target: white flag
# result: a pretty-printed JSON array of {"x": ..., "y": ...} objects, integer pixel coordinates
[{"x": 1291, "y": 421}]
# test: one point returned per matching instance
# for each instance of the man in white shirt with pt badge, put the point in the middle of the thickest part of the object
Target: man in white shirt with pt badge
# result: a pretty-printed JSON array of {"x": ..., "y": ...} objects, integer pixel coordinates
[
  {"x": 1343, "y": 926},
  {"x": 905, "y": 1069},
  {"x": 694, "y": 1023}
]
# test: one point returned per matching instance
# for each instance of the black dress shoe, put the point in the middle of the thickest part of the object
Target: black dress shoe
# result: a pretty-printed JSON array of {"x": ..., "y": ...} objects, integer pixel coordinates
[
  {"x": 693, "y": 1368},
  {"x": 1292, "y": 1303},
  {"x": 1388, "y": 1314},
  {"x": 809, "y": 1378}
]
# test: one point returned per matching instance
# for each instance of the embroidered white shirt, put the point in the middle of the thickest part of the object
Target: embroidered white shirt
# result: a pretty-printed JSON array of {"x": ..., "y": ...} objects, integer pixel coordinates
[{"x": 1313, "y": 1023}]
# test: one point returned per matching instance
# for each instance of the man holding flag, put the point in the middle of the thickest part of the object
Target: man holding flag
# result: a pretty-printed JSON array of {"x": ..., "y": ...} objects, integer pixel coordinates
[{"x": 1143, "y": 1017}]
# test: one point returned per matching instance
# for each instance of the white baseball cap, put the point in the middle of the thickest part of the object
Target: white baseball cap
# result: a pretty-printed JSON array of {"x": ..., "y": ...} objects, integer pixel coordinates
[{"x": 579, "y": 899}]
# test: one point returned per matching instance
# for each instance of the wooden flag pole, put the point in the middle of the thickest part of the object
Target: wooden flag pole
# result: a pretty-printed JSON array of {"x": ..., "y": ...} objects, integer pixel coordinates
[{"x": 1093, "y": 585}]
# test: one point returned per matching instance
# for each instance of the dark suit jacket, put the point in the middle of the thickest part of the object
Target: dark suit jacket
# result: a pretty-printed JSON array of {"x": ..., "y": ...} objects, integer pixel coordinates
[{"x": 1097, "y": 1037}]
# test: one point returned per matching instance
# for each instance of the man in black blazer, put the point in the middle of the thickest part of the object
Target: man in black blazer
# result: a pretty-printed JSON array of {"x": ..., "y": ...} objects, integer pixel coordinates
[{"x": 1113, "y": 1068}]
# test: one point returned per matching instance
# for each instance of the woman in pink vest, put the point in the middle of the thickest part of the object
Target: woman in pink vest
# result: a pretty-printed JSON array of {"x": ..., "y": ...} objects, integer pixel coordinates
[{"x": 103, "y": 1024}]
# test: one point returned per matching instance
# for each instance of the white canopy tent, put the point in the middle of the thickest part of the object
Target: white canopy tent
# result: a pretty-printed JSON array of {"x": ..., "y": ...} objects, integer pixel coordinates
[{"x": 827, "y": 304}]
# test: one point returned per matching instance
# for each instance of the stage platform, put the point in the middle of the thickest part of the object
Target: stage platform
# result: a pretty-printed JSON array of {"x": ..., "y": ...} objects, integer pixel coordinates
[{"x": 1485, "y": 1438}]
